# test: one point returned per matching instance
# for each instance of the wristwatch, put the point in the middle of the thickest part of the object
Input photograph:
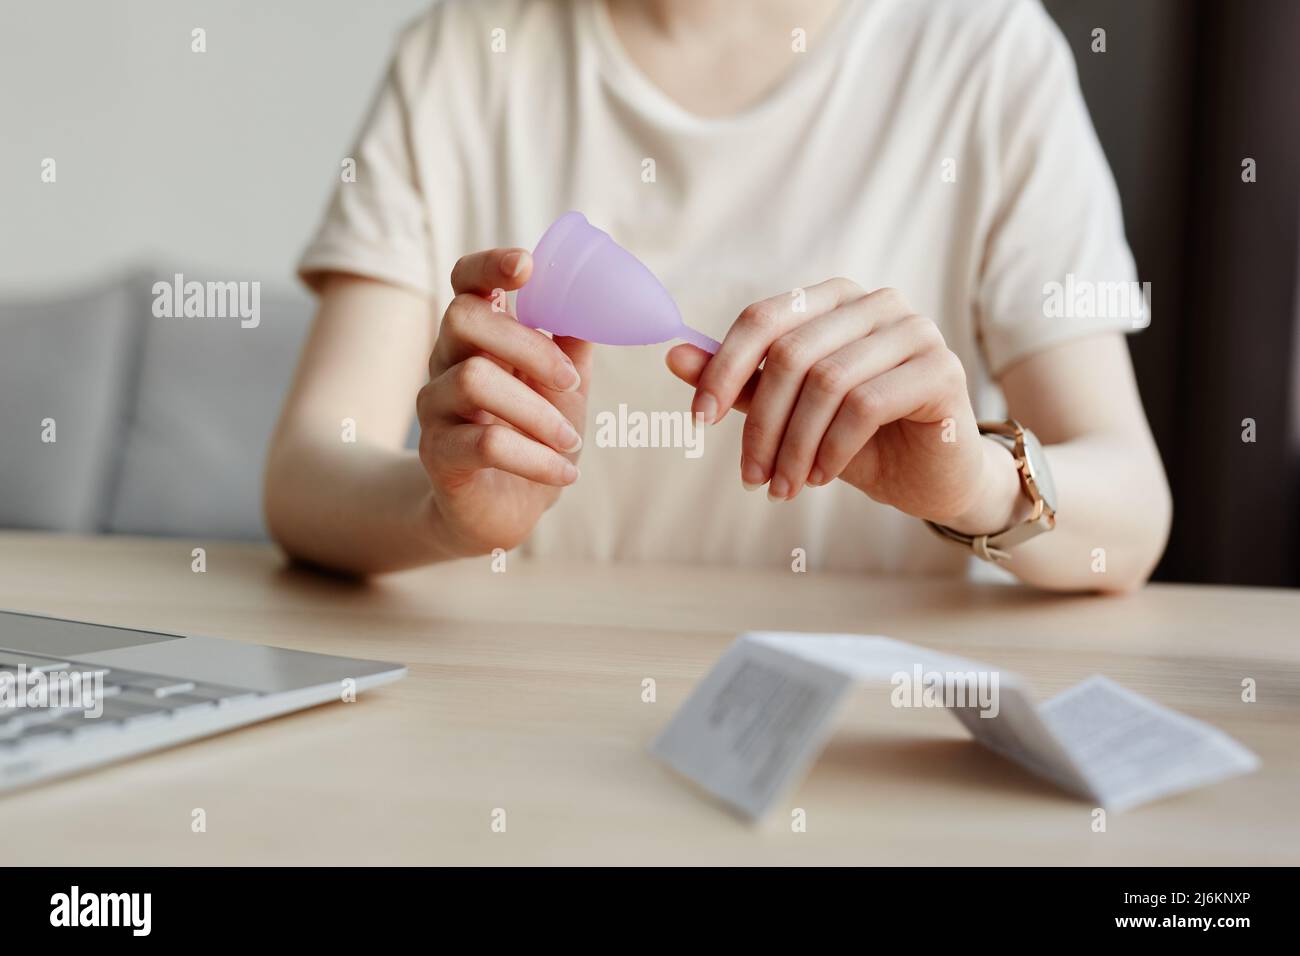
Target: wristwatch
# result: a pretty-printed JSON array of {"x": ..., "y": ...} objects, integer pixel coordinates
[{"x": 1035, "y": 480}]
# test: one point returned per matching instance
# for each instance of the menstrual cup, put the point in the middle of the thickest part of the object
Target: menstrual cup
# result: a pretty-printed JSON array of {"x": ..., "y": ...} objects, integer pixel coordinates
[{"x": 584, "y": 284}]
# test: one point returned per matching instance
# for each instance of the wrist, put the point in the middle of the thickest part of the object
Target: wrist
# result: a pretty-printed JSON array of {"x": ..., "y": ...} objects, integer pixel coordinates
[
  {"x": 1001, "y": 501},
  {"x": 437, "y": 533}
]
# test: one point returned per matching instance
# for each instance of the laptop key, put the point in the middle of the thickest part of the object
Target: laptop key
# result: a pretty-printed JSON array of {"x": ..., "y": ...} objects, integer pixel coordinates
[
  {"x": 42, "y": 737},
  {"x": 222, "y": 695},
  {"x": 12, "y": 721},
  {"x": 152, "y": 683},
  {"x": 79, "y": 723},
  {"x": 119, "y": 711},
  {"x": 172, "y": 703},
  {"x": 55, "y": 729},
  {"x": 43, "y": 715}
]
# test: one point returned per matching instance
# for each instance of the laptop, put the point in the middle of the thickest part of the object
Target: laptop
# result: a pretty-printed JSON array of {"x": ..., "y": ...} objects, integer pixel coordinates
[{"x": 75, "y": 695}]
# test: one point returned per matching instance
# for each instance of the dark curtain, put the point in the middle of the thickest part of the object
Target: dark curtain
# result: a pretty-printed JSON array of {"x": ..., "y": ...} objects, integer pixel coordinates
[{"x": 1183, "y": 94}]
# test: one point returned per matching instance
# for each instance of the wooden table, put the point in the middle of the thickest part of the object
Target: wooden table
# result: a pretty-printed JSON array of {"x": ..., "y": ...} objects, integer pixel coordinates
[{"x": 525, "y": 694}]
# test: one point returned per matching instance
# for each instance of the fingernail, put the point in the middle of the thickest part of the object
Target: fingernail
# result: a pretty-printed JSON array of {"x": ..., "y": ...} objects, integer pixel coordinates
[
  {"x": 568, "y": 379},
  {"x": 513, "y": 264},
  {"x": 816, "y": 477},
  {"x": 570, "y": 472},
  {"x": 779, "y": 489},
  {"x": 572, "y": 440},
  {"x": 751, "y": 475},
  {"x": 706, "y": 406}
]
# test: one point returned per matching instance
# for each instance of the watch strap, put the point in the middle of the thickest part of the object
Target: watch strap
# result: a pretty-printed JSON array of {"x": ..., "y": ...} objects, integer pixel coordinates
[{"x": 996, "y": 547}]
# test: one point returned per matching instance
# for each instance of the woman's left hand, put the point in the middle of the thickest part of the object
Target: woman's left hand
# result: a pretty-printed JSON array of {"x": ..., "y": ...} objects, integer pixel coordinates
[{"x": 854, "y": 386}]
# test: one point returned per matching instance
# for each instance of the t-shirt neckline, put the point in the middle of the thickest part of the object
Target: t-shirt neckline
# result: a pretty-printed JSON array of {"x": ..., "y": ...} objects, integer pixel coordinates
[{"x": 629, "y": 79}]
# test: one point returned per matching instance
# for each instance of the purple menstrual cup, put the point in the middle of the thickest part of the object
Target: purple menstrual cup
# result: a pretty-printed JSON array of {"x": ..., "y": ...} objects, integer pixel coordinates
[{"x": 584, "y": 284}]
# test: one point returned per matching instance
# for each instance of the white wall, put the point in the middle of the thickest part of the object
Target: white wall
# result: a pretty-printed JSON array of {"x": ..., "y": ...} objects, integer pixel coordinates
[{"x": 219, "y": 162}]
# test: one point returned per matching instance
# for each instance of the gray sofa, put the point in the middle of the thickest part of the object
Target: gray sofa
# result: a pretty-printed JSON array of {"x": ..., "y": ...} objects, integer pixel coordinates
[{"x": 160, "y": 424}]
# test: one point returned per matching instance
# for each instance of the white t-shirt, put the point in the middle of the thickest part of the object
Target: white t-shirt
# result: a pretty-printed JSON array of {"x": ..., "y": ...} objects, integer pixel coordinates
[{"x": 940, "y": 147}]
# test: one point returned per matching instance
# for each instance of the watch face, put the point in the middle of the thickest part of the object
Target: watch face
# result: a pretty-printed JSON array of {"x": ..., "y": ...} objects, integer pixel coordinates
[{"x": 1038, "y": 470}]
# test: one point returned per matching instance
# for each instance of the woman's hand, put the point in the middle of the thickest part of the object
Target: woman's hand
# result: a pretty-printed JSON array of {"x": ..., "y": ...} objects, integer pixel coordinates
[
  {"x": 855, "y": 386},
  {"x": 502, "y": 415}
]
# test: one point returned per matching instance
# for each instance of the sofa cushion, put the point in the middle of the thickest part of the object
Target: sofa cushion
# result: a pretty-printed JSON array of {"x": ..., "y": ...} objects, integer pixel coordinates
[
  {"x": 65, "y": 359},
  {"x": 206, "y": 399}
]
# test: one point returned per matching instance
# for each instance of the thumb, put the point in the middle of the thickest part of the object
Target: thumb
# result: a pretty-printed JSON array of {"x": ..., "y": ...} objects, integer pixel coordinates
[{"x": 482, "y": 273}]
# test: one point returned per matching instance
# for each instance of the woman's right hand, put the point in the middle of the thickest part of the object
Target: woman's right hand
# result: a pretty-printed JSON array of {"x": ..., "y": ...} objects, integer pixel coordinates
[{"x": 502, "y": 416}]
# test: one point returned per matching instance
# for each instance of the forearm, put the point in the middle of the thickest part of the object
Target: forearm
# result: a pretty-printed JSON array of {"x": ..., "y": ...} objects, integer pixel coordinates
[
  {"x": 351, "y": 507},
  {"x": 1112, "y": 519}
]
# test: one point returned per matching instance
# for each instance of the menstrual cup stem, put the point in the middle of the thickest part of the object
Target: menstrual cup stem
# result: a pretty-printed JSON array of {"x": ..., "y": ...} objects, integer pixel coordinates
[{"x": 700, "y": 340}]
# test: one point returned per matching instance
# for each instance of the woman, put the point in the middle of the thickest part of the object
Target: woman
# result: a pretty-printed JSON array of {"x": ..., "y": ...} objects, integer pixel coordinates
[{"x": 867, "y": 201}]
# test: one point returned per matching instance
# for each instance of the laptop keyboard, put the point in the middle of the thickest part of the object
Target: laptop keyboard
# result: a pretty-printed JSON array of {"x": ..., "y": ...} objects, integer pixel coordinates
[{"x": 128, "y": 699}]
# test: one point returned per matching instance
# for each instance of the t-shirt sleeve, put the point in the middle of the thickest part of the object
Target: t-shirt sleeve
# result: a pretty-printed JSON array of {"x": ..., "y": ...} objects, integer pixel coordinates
[
  {"x": 377, "y": 223},
  {"x": 1055, "y": 264}
]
